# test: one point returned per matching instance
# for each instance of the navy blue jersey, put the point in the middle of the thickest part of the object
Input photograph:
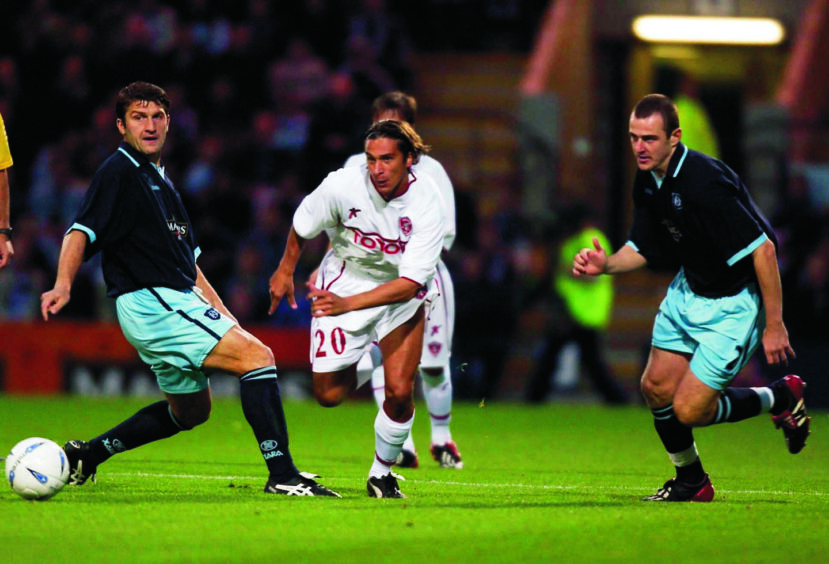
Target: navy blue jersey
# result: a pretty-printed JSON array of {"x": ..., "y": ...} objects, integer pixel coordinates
[
  {"x": 702, "y": 219},
  {"x": 134, "y": 216}
]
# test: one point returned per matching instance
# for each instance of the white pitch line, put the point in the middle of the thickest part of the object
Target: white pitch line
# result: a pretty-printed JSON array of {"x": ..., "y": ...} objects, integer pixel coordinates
[{"x": 475, "y": 484}]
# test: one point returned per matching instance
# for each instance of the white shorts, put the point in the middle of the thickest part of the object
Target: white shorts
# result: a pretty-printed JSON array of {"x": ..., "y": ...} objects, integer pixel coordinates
[
  {"x": 339, "y": 341},
  {"x": 440, "y": 324}
]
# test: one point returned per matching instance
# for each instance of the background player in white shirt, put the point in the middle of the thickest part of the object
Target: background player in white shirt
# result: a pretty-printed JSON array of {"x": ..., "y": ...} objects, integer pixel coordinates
[
  {"x": 435, "y": 374},
  {"x": 386, "y": 227}
]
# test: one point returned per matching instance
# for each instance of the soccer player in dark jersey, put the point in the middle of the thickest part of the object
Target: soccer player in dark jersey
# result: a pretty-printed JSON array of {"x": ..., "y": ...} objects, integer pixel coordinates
[
  {"x": 694, "y": 213},
  {"x": 167, "y": 309}
]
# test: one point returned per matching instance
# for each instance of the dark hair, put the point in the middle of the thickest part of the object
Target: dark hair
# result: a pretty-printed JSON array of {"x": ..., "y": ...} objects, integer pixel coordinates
[
  {"x": 398, "y": 102},
  {"x": 140, "y": 92},
  {"x": 408, "y": 141},
  {"x": 658, "y": 104}
]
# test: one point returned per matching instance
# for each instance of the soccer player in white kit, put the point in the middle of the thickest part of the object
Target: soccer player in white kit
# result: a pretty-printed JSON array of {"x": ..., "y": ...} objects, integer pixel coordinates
[
  {"x": 435, "y": 374},
  {"x": 386, "y": 227}
]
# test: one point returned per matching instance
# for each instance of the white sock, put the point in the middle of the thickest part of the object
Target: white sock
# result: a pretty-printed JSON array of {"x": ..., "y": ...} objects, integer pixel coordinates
[
  {"x": 388, "y": 441},
  {"x": 686, "y": 457},
  {"x": 437, "y": 391},
  {"x": 766, "y": 398}
]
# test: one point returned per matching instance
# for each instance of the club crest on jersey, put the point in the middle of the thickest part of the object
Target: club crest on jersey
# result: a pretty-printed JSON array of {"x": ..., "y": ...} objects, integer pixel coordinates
[
  {"x": 434, "y": 348},
  {"x": 178, "y": 228},
  {"x": 406, "y": 226},
  {"x": 211, "y": 313},
  {"x": 676, "y": 201}
]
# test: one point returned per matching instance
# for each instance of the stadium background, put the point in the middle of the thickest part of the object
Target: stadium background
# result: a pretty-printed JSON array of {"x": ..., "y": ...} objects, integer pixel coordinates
[{"x": 524, "y": 101}]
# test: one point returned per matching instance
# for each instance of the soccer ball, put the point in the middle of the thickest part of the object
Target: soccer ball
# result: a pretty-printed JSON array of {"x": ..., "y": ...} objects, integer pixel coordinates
[{"x": 37, "y": 468}]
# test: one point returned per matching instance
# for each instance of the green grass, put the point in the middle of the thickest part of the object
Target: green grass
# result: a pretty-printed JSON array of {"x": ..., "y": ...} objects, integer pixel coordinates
[{"x": 558, "y": 483}]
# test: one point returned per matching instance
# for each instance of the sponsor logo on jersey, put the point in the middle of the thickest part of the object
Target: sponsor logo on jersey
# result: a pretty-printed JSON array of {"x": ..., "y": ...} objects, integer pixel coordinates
[
  {"x": 375, "y": 241},
  {"x": 352, "y": 213},
  {"x": 178, "y": 228},
  {"x": 406, "y": 226},
  {"x": 676, "y": 234},
  {"x": 268, "y": 445},
  {"x": 211, "y": 313}
]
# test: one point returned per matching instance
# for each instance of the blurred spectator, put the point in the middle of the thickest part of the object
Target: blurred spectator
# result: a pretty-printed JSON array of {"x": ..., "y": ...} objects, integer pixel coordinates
[{"x": 579, "y": 311}]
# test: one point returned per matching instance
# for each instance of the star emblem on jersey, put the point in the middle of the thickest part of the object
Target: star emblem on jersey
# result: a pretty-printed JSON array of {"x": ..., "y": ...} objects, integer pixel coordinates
[
  {"x": 406, "y": 226},
  {"x": 353, "y": 212},
  {"x": 435, "y": 330}
]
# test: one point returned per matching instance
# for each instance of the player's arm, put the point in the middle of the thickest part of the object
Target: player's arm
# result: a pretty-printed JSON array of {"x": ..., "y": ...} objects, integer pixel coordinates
[
  {"x": 71, "y": 258},
  {"x": 6, "y": 247},
  {"x": 397, "y": 290},
  {"x": 282, "y": 281},
  {"x": 595, "y": 261},
  {"x": 775, "y": 337},
  {"x": 210, "y": 294}
]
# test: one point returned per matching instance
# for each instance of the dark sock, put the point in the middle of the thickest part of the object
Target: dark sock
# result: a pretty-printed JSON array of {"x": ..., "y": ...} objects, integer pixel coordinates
[
  {"x": 149, "y": 424},
  {"x": 677, "y": 438},
  {"x": 262, "y": 406},
  {"x": 736, "y": 404}
]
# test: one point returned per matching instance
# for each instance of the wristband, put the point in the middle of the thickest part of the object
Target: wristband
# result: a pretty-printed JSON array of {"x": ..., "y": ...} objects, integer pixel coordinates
[{"x": 7, "y": 231}]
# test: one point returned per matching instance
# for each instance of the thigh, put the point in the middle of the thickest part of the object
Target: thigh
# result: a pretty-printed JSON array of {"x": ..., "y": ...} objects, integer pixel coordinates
[
  {"x": 238, "y": 352},
  {"x": 173, "y": 332},
  {"x": 401, "y": 350}
]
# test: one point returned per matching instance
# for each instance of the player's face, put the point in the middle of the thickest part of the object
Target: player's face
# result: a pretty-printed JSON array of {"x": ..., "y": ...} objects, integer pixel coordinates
[
  {"x": 388, "y": 168},
  {"x": 652, "y": 147},
  {"x": 144, "y": 127}
]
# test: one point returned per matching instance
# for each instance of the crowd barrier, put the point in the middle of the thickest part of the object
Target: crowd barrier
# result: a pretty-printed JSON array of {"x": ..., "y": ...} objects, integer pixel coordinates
[{"x": 34, "y": 356}]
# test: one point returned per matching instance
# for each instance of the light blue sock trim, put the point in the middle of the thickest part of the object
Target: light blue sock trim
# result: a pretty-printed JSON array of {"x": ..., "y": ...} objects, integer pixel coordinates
[{"x": 259, "y": 374}]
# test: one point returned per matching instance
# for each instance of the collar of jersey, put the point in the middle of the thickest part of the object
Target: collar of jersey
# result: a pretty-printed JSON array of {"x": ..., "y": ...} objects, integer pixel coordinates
[
  {"x": 135, "y": 156},
  {"x": 677, "y": 159}
]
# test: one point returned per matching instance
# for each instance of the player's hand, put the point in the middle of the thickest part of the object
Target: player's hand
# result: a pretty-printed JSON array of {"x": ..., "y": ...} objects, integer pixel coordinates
[
  {"x": 776, "y": 344},
  {"x": 590, "y": 262},
  {"x": 52, "y": 302},
  {"x": 281, "y": 284},
  {"x": 325, "y": 303},
  {"x": 312, "y": 278},
  {"x": 6, "y": 252}
]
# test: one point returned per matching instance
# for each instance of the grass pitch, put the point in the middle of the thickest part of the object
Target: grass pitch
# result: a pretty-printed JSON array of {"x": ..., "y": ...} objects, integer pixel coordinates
[{"x": 556, "y": 483}]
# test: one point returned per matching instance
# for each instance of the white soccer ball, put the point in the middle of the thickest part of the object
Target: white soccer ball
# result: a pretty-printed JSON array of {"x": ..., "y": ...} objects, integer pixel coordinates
[{"x": 37, "y": 468}]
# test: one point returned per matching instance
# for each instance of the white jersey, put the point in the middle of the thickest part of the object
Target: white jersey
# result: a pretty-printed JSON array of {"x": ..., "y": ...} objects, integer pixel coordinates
[
  {"x": 382, "y": 240},
  {"x": 436, "y": 171}
]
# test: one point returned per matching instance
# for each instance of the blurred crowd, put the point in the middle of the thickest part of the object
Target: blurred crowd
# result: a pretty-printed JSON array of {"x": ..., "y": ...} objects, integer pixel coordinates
[{"x": 267, "y": 98}]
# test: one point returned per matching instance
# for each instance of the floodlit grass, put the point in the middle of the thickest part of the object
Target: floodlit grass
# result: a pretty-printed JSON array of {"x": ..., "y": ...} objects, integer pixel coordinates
[{"x": 558, "y": 483}]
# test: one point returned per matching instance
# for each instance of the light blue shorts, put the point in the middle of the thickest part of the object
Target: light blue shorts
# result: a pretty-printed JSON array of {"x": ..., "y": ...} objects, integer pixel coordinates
[
  {"x": 173, "y": 332},
  {"x": 721, "y": 334}
]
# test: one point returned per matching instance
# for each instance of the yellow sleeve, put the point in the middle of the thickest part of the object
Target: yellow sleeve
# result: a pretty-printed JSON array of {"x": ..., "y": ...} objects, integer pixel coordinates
[{"x": 5, "y": 153}]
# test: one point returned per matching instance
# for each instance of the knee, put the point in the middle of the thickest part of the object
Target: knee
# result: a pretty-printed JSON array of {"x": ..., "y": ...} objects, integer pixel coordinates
[
  {"x": 692, "y": 415},
  {"x": 262, "y": 355},
  {"x": 329, "y": 396},
  {"x": 433, "y": 376},
  {"x": 193, "y": 416},
  {"x": 399, "y": 390},
  {"x": 655, "y": 394}
]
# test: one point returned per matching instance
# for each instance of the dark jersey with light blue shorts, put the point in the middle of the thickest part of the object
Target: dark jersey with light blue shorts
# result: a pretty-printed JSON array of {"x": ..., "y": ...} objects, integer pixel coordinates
[
  {"x": 134, "y": 216},
  {"x": 702, "y": 219}
]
